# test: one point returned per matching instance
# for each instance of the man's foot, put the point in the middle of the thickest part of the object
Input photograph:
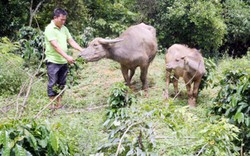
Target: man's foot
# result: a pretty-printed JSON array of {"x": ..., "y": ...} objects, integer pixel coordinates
[
  {"x": 58, "y": 101},
  {"x": 58, "y": 106},
  {"x": 52, "y": 107}
]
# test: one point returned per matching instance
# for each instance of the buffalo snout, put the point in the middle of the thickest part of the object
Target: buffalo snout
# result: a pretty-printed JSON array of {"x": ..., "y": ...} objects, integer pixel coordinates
[
  {"x": 168, "y": 66},
  {"x": 81, "y": 52}
]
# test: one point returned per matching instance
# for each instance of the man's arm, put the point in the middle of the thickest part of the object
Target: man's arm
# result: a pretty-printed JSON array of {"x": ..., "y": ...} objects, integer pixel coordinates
[
  {"x": 75, "y": 45},
  {"x": 61, "y": 52}
]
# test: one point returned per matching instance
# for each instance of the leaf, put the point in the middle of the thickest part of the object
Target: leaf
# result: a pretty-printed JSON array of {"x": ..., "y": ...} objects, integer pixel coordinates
[
  {"x": 43, "y": 143},
  {"x": 1, "y": 137},
  {"x": 106, "y": 122},
  {"x": 54, "y": 141},
  {"x": 117, "y": 123},
  {"x": 6, "y": 142},
  {"x": 64, "y": 148},
  {"x": 20, "y": 151},
  {"x": 247, "y": 121},
  {"x": 242, "y": 106},
  {"x": 239, "y": 117},
  {"x": 234, "y": 101},
  {"x": 31, "y": 139},
  {"x": 130, "y": 152}
]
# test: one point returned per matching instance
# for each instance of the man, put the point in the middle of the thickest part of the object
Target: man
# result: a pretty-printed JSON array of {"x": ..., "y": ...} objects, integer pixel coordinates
[{"x": 57, "y": 37}]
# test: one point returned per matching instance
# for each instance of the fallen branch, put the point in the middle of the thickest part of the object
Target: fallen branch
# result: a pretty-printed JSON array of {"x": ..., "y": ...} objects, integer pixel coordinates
[
  {"x": 18, "y": 96},
  {"x": 165, "y": 137},
  {"x": 120, "y": 142},
  {"x": 4, "y": 113},
  {"x": 86, "y": 109},
  {"x": 202, "y": 149},
  {"x": 26, "y": 96},
  {"x": 38, "y": 114},
  {"x": 32, "y": 77}
]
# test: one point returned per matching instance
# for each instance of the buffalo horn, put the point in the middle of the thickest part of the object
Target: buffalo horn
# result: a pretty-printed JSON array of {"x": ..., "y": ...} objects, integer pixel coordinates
[{"x": 106, "y": 41}]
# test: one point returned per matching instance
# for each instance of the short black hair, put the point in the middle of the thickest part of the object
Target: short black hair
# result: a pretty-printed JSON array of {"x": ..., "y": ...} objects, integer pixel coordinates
[{"x": 58, "y": 11}]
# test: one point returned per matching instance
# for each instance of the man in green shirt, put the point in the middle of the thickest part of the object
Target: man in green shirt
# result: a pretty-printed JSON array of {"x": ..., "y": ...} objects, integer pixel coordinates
[{"x": 57, "y": 38}]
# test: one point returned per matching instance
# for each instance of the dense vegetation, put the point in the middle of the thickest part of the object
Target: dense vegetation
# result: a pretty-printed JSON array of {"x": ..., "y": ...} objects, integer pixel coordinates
[
  {"x": 102, "y": 116},
  {"x": 192, "y": 22}
]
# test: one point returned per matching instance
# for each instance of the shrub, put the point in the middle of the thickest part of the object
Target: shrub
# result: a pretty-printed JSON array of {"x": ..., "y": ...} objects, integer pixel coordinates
[
  {"x": 32, "y": 45},
  {"x": 11, "y": 73},
  {"x": 128, "y": 133},
  {"x": 120, "y": 98},
  {"x": 208, "y": 78},
  {"x": 30, "y": 138},
  {"x": 233, "y": 102}
]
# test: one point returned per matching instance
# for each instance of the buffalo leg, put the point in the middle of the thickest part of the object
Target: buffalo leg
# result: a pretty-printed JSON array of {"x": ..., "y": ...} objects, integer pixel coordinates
[
  {"x": 191, "y": 101},
  {"x": 196, "y": 89},
  {"x": 125, "y": 75},
  {"x": 168, "y": 74},
  {"x": 175, "y": 83},
  {"x": 143, "y": 77},
  {"x": 132, "y": 72}
]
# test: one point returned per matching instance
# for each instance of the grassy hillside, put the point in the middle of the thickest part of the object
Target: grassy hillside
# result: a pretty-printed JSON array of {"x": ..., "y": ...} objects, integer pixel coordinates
[{"x": 176, "y": 129}]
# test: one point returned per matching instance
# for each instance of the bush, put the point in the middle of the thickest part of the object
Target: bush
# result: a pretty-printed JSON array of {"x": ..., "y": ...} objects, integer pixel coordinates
[
  {"x": 129, "y": 132},
  {"x": 32, "y": 45},
  {"x": 120, "y": 98},
  {"x": 11, "y": 73},
  {"x": 30, "y": 138},
  {"x": 233, "y": 102},
  {"x": 208, "y": 79}
]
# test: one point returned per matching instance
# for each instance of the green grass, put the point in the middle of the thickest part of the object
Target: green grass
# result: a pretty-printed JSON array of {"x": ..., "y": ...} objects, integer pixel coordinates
[{"x": 85, "y": 107}]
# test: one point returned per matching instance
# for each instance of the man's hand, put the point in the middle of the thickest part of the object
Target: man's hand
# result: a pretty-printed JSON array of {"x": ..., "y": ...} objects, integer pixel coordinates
[{"x": 70, "y": 59}]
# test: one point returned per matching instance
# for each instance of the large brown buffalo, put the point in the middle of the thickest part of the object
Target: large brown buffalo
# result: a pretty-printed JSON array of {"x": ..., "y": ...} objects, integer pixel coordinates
[
  {"x": 135, "y": 47},
  {"x": 187, "y": 63}
]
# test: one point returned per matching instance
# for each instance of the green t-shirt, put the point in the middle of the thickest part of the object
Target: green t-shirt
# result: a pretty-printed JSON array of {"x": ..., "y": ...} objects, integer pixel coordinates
[{"x": 52, "y": 32}]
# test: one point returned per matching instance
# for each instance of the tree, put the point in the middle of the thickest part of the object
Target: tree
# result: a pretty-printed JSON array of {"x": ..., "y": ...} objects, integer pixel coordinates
[
  {"x": 237, "y": 18},
  {"x": 13, "y": 15},
  {"x": 192, "y": 22},
  {"x": 33, "y": 11},
  {"x": 147, "y": 8},
  {"x": 110, "y": 17},
  {"x": 78, "y": 16}
]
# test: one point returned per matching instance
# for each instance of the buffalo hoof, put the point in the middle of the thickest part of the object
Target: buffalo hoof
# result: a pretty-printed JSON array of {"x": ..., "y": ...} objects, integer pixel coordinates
[
  {"x": 191, "y": 102},
  {"x": 146, "y": 93},
  {"x": 166, "y": 95}
]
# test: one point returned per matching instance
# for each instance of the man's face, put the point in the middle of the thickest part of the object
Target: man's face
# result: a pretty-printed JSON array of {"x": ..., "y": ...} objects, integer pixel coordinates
[{"x": 60, "y": 21}]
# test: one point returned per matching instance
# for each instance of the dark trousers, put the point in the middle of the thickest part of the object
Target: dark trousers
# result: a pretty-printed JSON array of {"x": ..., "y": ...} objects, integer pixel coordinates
[{"x": 57, "y": 74}]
